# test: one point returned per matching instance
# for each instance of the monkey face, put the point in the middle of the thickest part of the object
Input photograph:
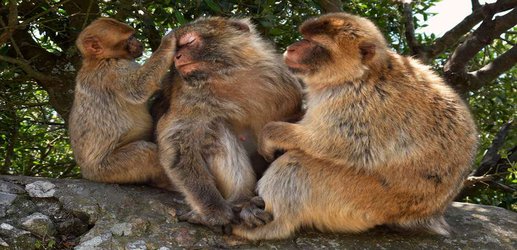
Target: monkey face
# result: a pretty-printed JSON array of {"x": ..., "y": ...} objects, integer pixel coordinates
[
  {"x": 304, "y": 57},
  {"x": 210, "y": 47},
  {"x": 336, "y": 48}
]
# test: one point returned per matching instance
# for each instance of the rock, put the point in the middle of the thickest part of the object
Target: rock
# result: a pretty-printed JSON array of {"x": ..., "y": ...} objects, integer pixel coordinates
[
  {"x": 90, "y": 215},
  {"x": 40, "y": 189},
  {"x": 6, "y": 199},
  {"x": 39, "y": 224},
  {"x": 8, "y": 187},
  {"x": 3, "y": 243},
  {"x": 15, "y": 238},
  {"x": 96, "y": 242},
  {"x": 137, "y": 245}
]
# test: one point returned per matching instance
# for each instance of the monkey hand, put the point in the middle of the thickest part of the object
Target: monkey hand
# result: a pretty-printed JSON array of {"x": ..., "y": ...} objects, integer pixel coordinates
[
  {"x": 268, "y": 143},
  {"x": 169, "y": 41},
  {"x": 252, "y": 213}
]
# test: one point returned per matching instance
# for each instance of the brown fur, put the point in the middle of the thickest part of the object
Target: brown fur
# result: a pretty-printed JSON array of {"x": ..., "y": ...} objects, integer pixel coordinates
[
  {"x": 384, "y": 139},
  {"x": 229, "y": 83},
  {"x": 110, "y": 126}
]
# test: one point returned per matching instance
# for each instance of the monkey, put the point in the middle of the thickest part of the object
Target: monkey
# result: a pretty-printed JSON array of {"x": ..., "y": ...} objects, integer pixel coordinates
[
  {"x": 110, "y": 126},
  {"x": 384, "y": 140},
  {"x": 229, "y": 82}
]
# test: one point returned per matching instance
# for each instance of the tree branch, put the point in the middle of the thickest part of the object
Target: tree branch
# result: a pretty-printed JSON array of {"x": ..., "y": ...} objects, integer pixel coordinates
[
  {"x": 492, "y": 157},
  {"x": 328, "y": 6},
  {"x": 413, "y": 44},
  {"x": 475, "y": 5},
  {"x": 451, "y": 37},
  {"x": 25, "y": 66},
  {"x": 455, "y": 68},
  {"x": 492, "y": 70},
  {"x": 11, "y": 24}
]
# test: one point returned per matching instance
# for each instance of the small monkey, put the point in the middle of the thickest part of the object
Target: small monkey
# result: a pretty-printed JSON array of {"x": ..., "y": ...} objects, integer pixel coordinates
[
  {"x": 110, "y": 125},
  {"x": 229, "y": 83},
  {"x": 384, "y": 139}
]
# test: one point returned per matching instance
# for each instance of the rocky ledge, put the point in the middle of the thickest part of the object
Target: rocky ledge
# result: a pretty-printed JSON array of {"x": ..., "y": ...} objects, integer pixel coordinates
[{"x": 42, "y": 213}]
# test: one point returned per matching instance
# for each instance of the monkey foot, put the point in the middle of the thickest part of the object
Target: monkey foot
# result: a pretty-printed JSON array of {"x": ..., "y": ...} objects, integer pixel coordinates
[
  {"x": 220, "y": 224},
  {"x": 252, "y": 213}
]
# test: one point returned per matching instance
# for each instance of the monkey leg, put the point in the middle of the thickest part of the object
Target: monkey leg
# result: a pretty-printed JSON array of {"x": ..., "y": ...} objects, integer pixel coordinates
[
  {"x": 136, "y": 162},
  {"x": 301, "y": 191},
  {"x": 235, "y": 177},
  {"x": 188, "y": 156},
  {"x": 231, "y": 167}
]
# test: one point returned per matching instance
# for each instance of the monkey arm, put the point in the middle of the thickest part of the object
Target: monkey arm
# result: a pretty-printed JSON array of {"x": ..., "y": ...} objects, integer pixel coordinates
[
  {"x": 288, "y": 136},
  {"x": 280, "y": 136},
  {"x": 146, "y": 80}
]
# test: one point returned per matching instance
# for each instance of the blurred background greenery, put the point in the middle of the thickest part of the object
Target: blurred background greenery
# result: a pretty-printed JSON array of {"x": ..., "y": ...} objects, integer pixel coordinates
[{"x": 38, "y": 62}]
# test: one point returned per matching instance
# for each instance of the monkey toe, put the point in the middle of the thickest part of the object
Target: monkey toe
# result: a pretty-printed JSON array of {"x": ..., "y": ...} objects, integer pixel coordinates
[
  {"x": 191, "y": 217},
  {"x": 253, "y": 216}
]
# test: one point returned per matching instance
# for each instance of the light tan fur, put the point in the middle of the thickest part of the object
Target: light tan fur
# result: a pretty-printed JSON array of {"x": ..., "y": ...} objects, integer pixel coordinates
[
  {"x": 110, "y": 126},
  {"x": 384, "y": 139}
]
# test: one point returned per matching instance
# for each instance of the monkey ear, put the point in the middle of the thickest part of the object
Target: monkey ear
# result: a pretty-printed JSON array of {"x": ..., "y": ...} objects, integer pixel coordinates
[
  {"x": 367, "y": 50},
  {"x": 240, "y": 26},
  {"x": 92, "y": 45}
]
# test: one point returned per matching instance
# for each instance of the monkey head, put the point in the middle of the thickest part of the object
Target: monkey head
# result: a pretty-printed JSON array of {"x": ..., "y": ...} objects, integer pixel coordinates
[
  {"x": 214, "y": 47},
  {"x": 335, "y": 48},
  {"x": 108, "y": 38}
]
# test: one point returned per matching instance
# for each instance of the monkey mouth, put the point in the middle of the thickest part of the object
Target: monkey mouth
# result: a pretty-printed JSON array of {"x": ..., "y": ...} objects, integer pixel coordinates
[
  {"x": 296, "y": 67},
  {"x": 186, "y": 68}
]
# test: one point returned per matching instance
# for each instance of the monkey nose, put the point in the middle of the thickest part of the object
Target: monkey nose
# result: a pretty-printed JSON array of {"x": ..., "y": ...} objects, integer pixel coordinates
[{"x": 178, "y": 56}]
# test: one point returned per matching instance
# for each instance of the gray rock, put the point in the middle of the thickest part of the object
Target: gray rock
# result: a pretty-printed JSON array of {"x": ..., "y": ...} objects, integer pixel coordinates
[
  {"x": 6, "y": 199},
  {"x": 121, "y": 229},
  {"x": 8, "y": 187},
  {"x": 15, "y": 238},
  {"x": 137, "y": 245},
  {"x": 108, "y": 216},
  {"x": 40, "y": 189},
  {"x": 39, "y": 224},
  {"x": 96, "y": 242},
  {"x": 3, "y": 243}
]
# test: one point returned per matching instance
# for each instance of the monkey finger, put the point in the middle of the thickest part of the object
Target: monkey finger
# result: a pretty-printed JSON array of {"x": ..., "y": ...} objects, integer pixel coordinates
[
  {"x": 227, "y": 229},
  {"x": 237, "y": 209},
  {"x": 258, "y": 201}
]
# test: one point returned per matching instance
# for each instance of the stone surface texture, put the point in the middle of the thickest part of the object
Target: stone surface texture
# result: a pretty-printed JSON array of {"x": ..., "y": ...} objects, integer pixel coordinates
[{"x": 78, "y": 214}]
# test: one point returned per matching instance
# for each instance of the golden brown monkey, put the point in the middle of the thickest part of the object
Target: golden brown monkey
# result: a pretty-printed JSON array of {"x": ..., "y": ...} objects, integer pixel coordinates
[
  {"x": 110, "y": 125},
  {"x": 384, "y": 139},
  {"x": 229, "y": 83}
]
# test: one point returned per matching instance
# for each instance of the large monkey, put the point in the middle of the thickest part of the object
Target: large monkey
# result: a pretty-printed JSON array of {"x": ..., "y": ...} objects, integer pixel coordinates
[
  {"x": 110, "y": 125},
  {"x": 384, "y": 139},
  {"x": 229, "y": 83}
]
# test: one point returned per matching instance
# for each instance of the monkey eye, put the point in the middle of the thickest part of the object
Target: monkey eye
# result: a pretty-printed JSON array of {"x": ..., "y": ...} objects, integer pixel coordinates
[
  {"x": 188, "y": 39},
  {"x": 191, "y": 41}
]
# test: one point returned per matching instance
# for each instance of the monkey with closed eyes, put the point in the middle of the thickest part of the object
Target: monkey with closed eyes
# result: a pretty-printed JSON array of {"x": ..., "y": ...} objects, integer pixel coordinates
[{"x": 229, "y": 82}]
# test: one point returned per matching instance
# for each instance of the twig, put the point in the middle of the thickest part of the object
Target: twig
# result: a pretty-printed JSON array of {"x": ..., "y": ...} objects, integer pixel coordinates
[
  {"x": 328, "y": 6},
  {"x": 25, "y": 66},
  {"x": 491, "y": 157},
  {"x": 413, "y": 44}
]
